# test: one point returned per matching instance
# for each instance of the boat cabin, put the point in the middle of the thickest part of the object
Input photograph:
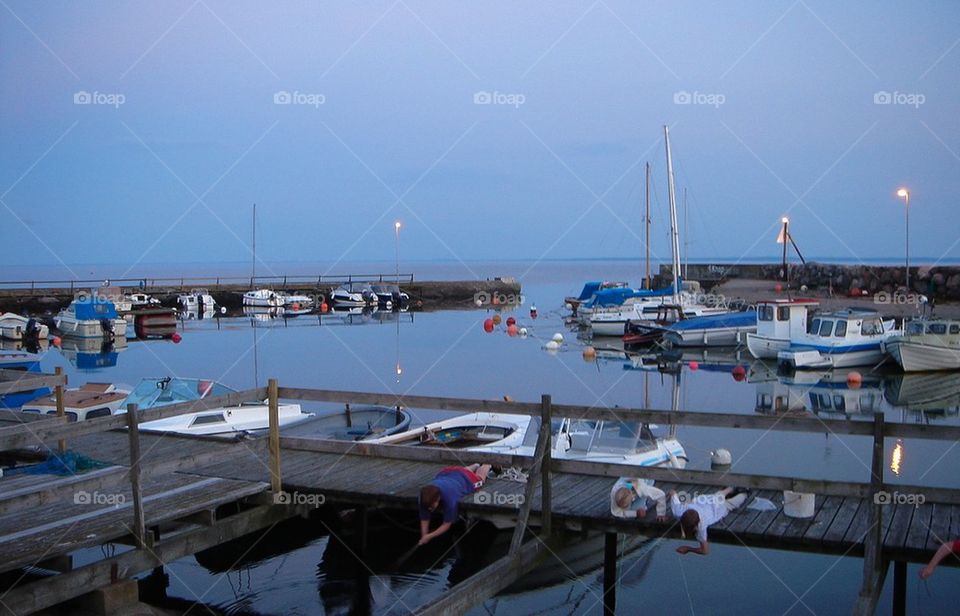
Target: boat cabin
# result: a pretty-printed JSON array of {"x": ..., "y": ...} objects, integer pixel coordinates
[
  {"x": 783, "y": 318},
  {"x": 847, "y": 324}
]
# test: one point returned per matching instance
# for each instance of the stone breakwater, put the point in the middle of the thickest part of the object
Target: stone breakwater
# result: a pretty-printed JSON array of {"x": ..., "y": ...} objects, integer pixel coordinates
[{"x": 941, "y": 282}]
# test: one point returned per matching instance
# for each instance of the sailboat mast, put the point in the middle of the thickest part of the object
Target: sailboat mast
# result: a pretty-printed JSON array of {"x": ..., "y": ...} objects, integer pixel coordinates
[
  {"x": 253, "y": 261},
  {"x": 686, "y": 235},
  {"x": 646, "y": 283},
  {"x": 674, "y": 233}
]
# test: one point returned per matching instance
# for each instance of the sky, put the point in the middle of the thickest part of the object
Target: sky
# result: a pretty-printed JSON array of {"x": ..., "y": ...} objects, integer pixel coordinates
[{"x": 139, "y": 133}]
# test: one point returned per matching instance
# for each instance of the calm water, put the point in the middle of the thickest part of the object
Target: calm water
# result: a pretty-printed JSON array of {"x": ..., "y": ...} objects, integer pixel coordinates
[{"x": 301, "y": 570}]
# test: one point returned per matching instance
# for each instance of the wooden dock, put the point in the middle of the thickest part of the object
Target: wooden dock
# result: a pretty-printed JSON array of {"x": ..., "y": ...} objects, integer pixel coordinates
[{"x": 159, "y": 470}]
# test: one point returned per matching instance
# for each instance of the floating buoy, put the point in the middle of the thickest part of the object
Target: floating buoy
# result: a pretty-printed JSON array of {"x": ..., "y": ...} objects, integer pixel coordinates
[
  {"x": 854, "y": 380},
  {"x": 533, "y": 310},
  {"x": 803, "y": 288},
  {"x": 721, "y": 457},
  {"x": 739, "y": 373},
  {"x": 511, "y": 321},
  {"x": 589, "y": 353},
  {"x": 478, "y": 302},
  {"x": 568, "y": 306},
  {"x": 324, "y": 307},
  {"x": 552, "y": 345},
  {"x": 497, "y": 319},
  {"x": 488, "y": 325},
  {"x": 694, "y": 365},
  {"x": 512, "y": 330},
  {"x": 778, "y": 288},
  {"x": 55, "y": 341},
  {"x": 557, "y": 337},
  {"x": 176, "y": 338},
  {"x": 523, "y": 332},
  {"x": 223, "y": 310},
  {"x": 295, "y": 306}
]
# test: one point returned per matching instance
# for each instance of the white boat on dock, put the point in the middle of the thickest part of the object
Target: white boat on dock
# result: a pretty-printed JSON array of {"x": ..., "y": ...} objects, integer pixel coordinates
[
  {"x": 197, "y": 301},
  {"x": 16, "y": 327},
  {"x": 927, "y": 344},
  {"x": 264, "y": 298},
  {"x": 778, "y": 320},
  {"x": 89, "y": 401},
  {"x": 91, "y": 316},
  {"x": 840, "y": 339}
]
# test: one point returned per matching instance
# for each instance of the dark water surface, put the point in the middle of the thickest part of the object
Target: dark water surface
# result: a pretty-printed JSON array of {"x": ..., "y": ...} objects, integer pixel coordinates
[{"x": 301, "y": 570}]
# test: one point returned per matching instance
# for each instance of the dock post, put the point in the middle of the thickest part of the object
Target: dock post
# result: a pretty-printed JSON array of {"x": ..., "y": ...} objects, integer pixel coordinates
[
  {"x": 609, "y": 574},
  {"x": 139, "y": 524},
  {"x": 546, "y": 405},
  {"x": 873, "y": 570},
  {"x": 274, "y": 408},
  {"x": 58, "y": 393},
  {"x": 899, "y": 588}
]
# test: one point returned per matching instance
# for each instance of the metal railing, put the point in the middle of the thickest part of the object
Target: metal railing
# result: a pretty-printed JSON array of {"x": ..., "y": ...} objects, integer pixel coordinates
[{"x": 183, "y": 282}]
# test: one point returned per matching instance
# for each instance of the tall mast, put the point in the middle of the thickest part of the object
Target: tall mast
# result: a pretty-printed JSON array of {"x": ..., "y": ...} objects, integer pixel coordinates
[
  {"x": 674, "y": 233},
  {"x": 646, "y": 283},
  {"x": 253, "y": 261},
  {"x": 686, "y": 235}
]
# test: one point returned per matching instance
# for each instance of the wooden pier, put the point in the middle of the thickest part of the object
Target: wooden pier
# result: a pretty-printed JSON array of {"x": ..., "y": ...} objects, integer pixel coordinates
[{"x": 152, "y": 473}]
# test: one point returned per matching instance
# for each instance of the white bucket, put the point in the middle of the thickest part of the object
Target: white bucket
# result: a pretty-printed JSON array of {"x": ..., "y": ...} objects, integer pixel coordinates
[{"x": 798, "y": 504}]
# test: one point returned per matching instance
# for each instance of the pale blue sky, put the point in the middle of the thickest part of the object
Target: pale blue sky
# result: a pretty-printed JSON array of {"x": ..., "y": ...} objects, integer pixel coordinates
[{"x": 788, "y": 111}]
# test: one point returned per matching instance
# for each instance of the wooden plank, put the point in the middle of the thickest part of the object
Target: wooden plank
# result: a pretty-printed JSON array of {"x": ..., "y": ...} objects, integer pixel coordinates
[
  {"x": 896, "y": 532},
  {"x": 916, "y": 538},
  {"x": 400, "y": 452},
  {"x": 47, "y": 592},
  {"x": 939, "y": 527},
  {"x": 42, "y": 490},
  {"x": 29, "y": 383},
  {"x": 823, "y": 519},
  {"x": 797, "y": 529}
]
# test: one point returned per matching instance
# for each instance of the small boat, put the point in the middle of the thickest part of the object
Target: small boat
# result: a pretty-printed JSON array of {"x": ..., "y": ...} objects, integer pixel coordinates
[
  {"x": 297, "y": 302},
  {"x": 927, "y": 344},
  {"x": 91, "y": 316},
  {"x": 588, "y": 291},
  {"x": 353, "y": 295},
  {"x": 15, "y": 327},
  {"x": 728, "y": 329},
  {"x": 473, "y": 431},
  {"x": 86, "y": 402},
  {"x": 197, "y": 300},
  {"x": 390, "y": 296},
  {"x": 141, "y": 300},
  {"x": 355, "y": 423},
  {"x": 263, "y": 298},
  {"x": 247, "y": 417},
  {"x": 778, "y": 320},
  {"x": 840, "y": 339}
]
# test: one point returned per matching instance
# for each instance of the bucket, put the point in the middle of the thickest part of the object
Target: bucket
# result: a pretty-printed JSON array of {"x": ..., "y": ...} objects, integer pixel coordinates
[{"x": 798, "y": 504}]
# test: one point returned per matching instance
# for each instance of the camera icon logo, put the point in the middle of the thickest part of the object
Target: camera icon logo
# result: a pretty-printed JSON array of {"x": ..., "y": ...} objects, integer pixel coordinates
[
  {"x": 882, "y": 98},
  {"x": 482, "y": 98},
  {"x": 682, "y": 98},
  {"x": 282, "y": 98},
  {"x": 282, "y": 498},
  {"x": 82, "y": 98},
  {"x": 482, "y": 497},
  {"x": 882, "y": 498},
  {"x": 82, "y": 498}
]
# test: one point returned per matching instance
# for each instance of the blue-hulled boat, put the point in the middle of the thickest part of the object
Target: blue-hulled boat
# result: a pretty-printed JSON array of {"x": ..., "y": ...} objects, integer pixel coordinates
[{"x": 727, "y": 329}]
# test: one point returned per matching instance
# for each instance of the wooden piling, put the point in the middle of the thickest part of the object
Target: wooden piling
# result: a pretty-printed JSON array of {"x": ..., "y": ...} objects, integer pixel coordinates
[
  {"x": 546, "y": 489},
  {"x": 609, "y": 574},
  {"x": 899, "y": 588},
  {"x": 274, "y": 409},
  {"x": 133, "y": 432},
  {"x": 58, "y": 393}
]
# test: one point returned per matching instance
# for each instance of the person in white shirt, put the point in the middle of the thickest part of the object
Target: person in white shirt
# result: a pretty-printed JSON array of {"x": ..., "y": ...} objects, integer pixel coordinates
[
  {"x": 699, "y": 512},
  {"x": 630, "y": 497}
]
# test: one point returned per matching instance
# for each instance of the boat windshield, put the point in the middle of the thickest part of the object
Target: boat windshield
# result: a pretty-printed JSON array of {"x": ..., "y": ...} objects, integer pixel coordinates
[
  {"x": 533, "y": 430},
  {"x": 150, "y": 393},
  {"x": 610, "y": 437},
  {"x": 915, "y": 328},
  {"x": 765, "y": 312}
]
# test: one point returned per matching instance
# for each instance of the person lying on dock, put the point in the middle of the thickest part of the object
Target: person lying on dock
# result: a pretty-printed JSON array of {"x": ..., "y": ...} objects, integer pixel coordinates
[
  {"x": 447, "y": 488},
  {"x": 702, "y": 511},
  {"x": 948, "y": 548},
  {"x": 631, "y": 497}
]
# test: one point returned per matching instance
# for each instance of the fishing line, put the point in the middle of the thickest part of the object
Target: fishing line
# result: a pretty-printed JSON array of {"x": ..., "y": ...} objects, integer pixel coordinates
[{"x": 686, "y": 588}]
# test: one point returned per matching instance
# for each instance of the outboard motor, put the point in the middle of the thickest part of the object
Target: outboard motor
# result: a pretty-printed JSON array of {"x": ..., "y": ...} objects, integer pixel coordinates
[
  {"x": 107, "y": 326},
  {"x": 32, "y": 329}
]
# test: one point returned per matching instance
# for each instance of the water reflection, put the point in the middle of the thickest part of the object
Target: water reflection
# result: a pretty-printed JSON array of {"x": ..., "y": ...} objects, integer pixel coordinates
[{"x": 92, "y": 354}]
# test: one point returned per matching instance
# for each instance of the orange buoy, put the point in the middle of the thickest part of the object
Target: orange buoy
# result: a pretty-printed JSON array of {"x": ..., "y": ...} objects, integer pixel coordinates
[
  {"x": 176, "y": 338},
  {"x": 694, "y": 365},
  {"x": 739, "y": 373},
  {"x": 324, "y": 307},
  {"x": 778, "y": 288},
  {"x": 854, "y": 380},
  {"x": 55, "y": 341},
  {"x": 496, "y": 319},
  {"x": 512, "y": 329},
  {"x": 295, "y": 306},
  {"x": 589, "y": 353},
  {"x": 488, "y": 325}
]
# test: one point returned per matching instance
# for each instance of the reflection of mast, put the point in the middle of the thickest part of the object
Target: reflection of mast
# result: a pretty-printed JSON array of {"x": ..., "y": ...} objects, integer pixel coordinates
[
  {"x": 675, "y": 401},
  {"x": 399, "y": 370},
  {"x": 256, "y": 367}
]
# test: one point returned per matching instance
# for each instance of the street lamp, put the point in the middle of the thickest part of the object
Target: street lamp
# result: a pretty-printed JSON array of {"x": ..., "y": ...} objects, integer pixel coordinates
[
  {"x": 396, "y": 227},
  {"x": 905, "y": 194}
]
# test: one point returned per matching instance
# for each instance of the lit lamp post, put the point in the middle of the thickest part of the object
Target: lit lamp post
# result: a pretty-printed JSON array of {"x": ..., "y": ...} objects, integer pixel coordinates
[
  {"x": 903, "y": 192},
  {"x": 396, "y": 227}
]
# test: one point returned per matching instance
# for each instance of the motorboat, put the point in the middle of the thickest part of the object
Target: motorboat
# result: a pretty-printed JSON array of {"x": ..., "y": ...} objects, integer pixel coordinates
[
  {"x": 86, "y": 402},
  {"x": 726, "y": 329},
  {"x": 141, "y": 300},
  {"x": 355, "y": 423},
  {"x": 354, "y": 295},
  {"x": 614, "y": 322},
  {"x": 230, "y": 420},
  {"x": 778, "y": 320},
  {"x": 391, "y": 294},
  {"x": 16, "y": 327},
  {"x": 263, "y": 298},
  {"x": 840, "y": 339},
  {"x": 589, "y": 290},
  {"x": 926, "y": 344},
  {"x": 91, "y": 316},
  {"x": 197, "y": 300},
  {"x": 491, "y": 432},
  {"x": 297, "y": 302}
]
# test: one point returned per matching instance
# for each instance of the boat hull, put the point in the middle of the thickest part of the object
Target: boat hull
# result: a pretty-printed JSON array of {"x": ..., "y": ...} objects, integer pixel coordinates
[
  {"x": 88, "y": 328},
  {"x": 765, "y": 347},
  {"x": 917, "y": 357},
  {"x": 725, "y": 336},
  {"x": 812, "y": 358}
]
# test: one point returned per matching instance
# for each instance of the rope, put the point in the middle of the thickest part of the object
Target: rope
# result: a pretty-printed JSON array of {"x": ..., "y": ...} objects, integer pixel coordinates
[
  {"x": 513, "y": 473},
  {"x": 686, "y": 588}
]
